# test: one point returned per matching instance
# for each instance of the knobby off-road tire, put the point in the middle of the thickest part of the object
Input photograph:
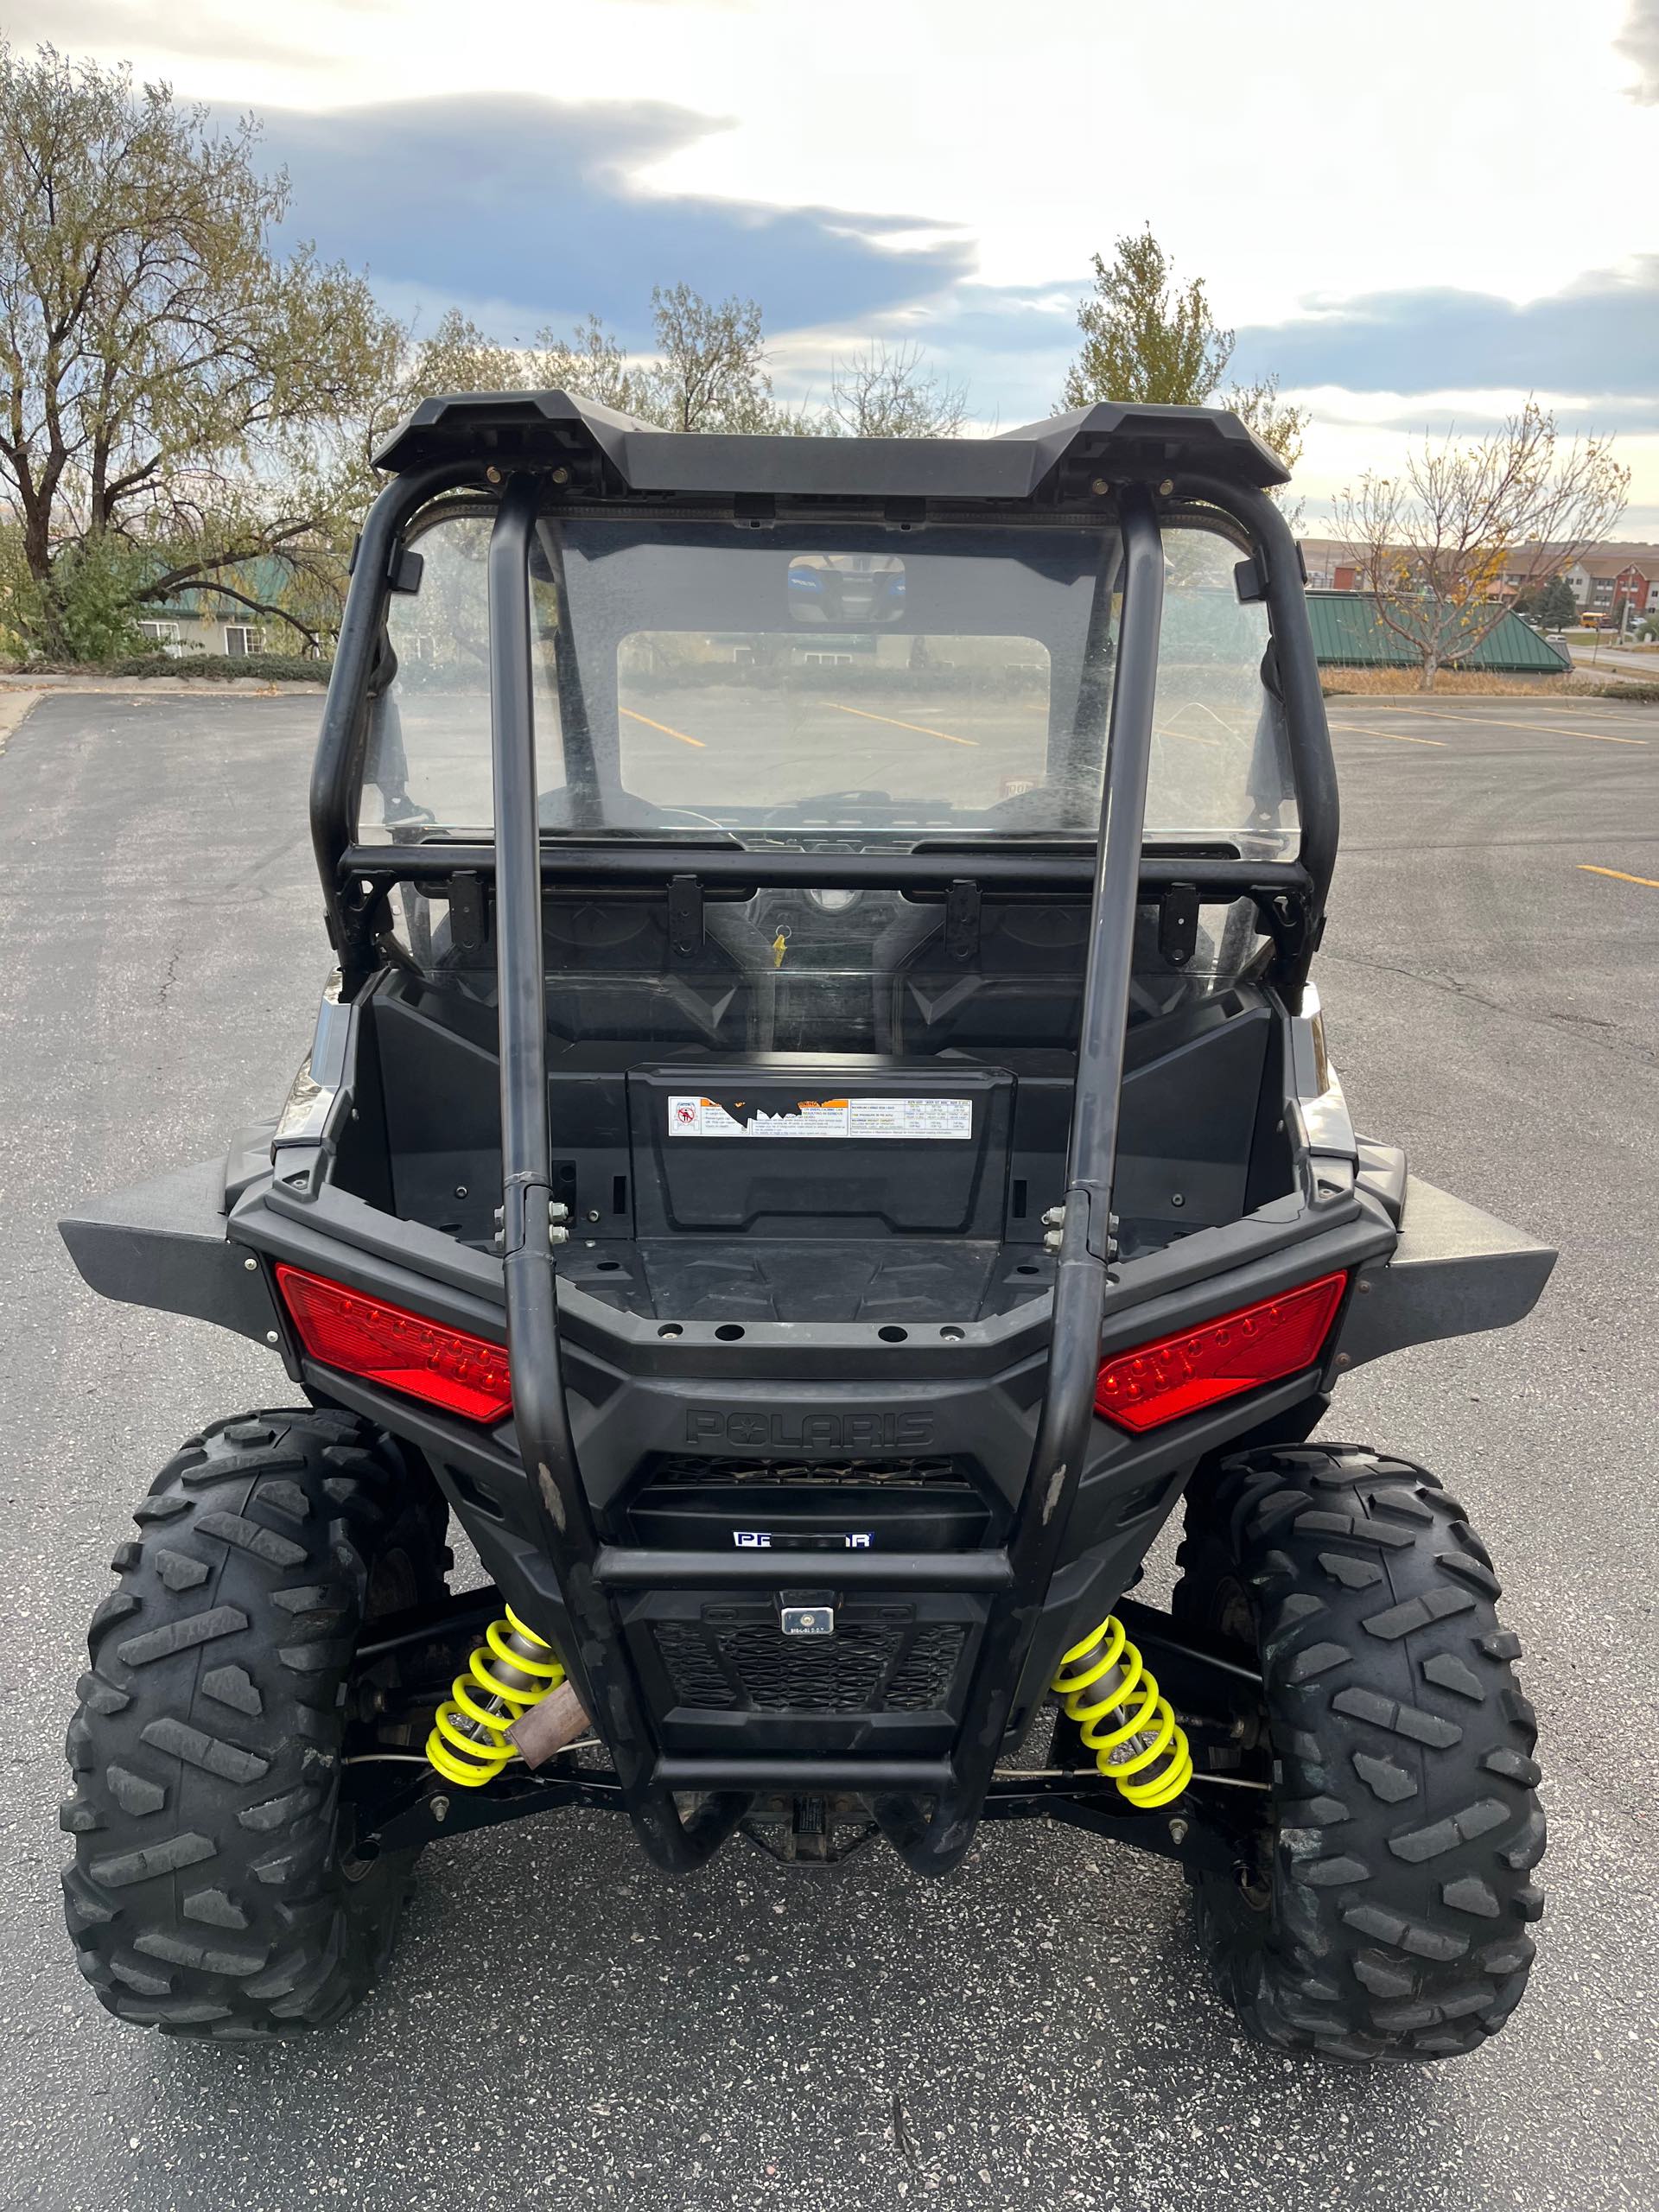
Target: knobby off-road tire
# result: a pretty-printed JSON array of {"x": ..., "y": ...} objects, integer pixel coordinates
[
  {"x": 1385, "y": 1916},
  {"x": 213, "y": 1891}
]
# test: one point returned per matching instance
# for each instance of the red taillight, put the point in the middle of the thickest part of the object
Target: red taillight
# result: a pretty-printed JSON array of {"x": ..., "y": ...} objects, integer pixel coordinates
[
  {"x": 404, "y": 1352},
  {"x": 1161, "y": 1381}
]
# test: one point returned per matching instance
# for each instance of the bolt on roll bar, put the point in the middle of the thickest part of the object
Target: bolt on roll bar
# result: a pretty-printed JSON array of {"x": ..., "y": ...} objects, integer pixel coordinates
[
  {"x": 540, "y": 1414},
  {"x": 355, "y": 878},
  {"x": 1314, "y": 768},
  {"x": 334, "y": 773},
  {"x": 932, "y": 1842}
]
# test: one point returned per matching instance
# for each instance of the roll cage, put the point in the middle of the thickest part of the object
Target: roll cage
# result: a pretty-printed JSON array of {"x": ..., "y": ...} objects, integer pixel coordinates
[{"x": 1144, "y": 466}]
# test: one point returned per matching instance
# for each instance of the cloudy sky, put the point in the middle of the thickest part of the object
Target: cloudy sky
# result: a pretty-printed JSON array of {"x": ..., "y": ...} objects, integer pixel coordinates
[{"x": 1414, "y": 214}]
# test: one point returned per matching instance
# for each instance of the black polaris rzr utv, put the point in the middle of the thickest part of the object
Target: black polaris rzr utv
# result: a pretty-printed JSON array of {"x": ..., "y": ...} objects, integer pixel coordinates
[{"x": 820, "y": 1138}]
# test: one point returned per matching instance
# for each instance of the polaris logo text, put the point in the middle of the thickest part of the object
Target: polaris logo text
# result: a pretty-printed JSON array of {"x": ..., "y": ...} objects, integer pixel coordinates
[
  {"x": 812, "y": 1432},
  {"x": 760, "y": 1540}
]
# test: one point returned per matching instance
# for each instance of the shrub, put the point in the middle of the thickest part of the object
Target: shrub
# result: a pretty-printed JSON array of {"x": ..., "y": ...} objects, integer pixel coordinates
[
  {"x": 1452, "y": 682},
  {"x": 1640, "y": 694},
  {"x": 224, "y": 668}
]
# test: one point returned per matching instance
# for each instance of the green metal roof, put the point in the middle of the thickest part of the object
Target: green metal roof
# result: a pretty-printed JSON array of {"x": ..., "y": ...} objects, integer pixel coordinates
[{"x": 1348, "y": 633}]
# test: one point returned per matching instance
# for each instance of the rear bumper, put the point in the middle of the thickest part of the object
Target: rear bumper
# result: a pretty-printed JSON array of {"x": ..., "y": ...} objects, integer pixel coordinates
[
  {"x": 922, "y": 1629},
  {"x": 968, "y": 1394}
]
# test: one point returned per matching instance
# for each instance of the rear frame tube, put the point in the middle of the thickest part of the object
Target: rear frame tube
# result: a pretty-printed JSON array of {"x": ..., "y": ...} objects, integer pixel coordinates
[
  {"x": 932, "y": 1844},
  {"x": 540, "y": 1417},
  {"x": 1313, "y": 765},
  {"x": 334, "y": 770}
]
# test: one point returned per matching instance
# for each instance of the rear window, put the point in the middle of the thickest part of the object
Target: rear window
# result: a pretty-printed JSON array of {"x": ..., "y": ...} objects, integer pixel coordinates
[
  {"x": 890, "y": 718},
  {"x": 894, "y": 683}
]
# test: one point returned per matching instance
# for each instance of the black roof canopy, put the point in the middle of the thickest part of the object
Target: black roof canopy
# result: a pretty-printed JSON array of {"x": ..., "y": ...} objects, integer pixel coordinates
[{"x": 1114, "y": 440}]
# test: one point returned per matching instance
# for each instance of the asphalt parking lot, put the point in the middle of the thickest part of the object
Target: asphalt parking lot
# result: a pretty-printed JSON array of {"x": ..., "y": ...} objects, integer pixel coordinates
[{"x": 561, "y": 2027}]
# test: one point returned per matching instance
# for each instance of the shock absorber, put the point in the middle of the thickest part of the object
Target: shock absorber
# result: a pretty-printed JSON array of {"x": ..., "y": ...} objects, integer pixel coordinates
[
  {"x": 512, "y": 1669},
  {"x": 1126, "y": 1721}
]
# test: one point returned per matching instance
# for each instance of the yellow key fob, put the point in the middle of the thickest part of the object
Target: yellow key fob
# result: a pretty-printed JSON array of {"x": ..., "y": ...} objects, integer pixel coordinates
[{"x": 780, "y": 945}]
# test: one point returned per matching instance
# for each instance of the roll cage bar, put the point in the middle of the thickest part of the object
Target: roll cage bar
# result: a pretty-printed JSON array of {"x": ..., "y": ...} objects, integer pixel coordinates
[{"x": 928, "y": 1809}]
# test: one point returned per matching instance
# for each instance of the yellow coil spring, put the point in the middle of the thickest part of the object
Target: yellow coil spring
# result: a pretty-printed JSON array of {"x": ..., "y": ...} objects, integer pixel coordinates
[
  {"x": 512, "y": 1669},
  {"x": 1137, "y": 1742}
]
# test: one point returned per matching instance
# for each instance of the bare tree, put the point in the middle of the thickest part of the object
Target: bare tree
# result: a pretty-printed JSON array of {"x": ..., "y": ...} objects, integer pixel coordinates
[
  {"x": 457, "y": 356},
  {"x": 593, "y": 362},
  {"x": 710, "y": 371},
  {"x": 889, "y": 391},
  {"x": 1432, "y": 542}
]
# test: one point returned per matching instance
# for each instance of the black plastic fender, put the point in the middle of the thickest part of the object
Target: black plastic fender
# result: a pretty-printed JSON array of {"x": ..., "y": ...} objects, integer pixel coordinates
[
  {"x": 164, "y": 1243},
  {"x": 1454, "y": 1270}
]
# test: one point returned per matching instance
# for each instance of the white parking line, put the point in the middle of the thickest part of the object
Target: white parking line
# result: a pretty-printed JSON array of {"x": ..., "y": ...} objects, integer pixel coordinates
[
  {"x": 1538, "y": 728},
  {"x": 1397, "y": 736},
  {"x": 893, "y": 722}
]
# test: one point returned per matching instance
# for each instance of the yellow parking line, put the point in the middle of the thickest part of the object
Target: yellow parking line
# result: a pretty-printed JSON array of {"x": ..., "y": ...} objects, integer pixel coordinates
[
  {"x": 665, "y": 728},
  {"x": 1651, "y": 882},
  {"x": 894, "y": 723},
  {"x": 1539, "y": 730},
  {"x": 1398, "y": 736}
]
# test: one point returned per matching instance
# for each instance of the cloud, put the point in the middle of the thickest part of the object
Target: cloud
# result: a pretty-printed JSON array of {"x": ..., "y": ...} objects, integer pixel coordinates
[
  {"x": 1010, "y": 345},
  {"x": 1474, "y": 413},
  {"x": 1639, "y": 42},
  {"x": 118, "y": 26},
  {"x": 1016, "y": 318},
  {"x": 1600, "y": 336},
  {"x": 538, "y": 205},
  {"x": 1432, "y": 360}
]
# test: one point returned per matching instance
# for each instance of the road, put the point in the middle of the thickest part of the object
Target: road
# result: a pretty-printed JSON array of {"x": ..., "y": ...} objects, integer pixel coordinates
[
  {"x": 562, "y": 2028},
  {"x": 1603, "y": 657}
]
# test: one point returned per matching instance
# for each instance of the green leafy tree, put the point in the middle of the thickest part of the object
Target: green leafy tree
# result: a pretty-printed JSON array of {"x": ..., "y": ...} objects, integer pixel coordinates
[
  {"x": 1144, "y": 337},
  {"x": 169, "y": 379},
  {"x": 1550, "y": 604},
  {"x": 1147, "y": 339},
  {"x": 1275, "y": 421}
]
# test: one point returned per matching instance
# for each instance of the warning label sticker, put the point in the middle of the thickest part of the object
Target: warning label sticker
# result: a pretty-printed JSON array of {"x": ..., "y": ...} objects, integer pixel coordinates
[{"x": 926, "y": 1118}]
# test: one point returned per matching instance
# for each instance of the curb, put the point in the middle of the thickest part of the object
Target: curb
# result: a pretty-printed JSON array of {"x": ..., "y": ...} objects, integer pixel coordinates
[
  {"x": 15, "y": 708},
  {"x": 174, "y": 687}
]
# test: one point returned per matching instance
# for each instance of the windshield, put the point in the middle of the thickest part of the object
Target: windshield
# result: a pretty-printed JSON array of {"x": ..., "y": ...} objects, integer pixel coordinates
[{"x": 807, "y": 682}]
